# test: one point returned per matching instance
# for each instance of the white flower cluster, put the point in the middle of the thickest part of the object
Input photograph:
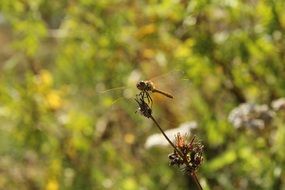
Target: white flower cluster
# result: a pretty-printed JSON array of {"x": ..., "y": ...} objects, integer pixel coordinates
[
  {"x": 251, "y": 115},
  {"x": 278, "y": 104},
  {"x": 159, "y": 140}
]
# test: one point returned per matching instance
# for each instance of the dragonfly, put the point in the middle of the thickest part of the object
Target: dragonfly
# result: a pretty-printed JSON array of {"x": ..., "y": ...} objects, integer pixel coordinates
[
  {"x": 145, "y": 88},
  {"x": 169, "y": 93},
  {"x": 148, "y": 86}
]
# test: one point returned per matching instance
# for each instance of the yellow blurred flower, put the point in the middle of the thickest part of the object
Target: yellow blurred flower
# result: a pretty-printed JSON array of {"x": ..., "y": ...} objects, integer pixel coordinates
[
  {"x": 148, "y": 53},
  {"x": 53, "y": 100},
  {"x": 146, "y": 30},
  {"x": 43, "y": 81},
  {"x": 185, "y": 49},
  {"x": 129, "y": 138},
  {"x": 129, "y": 183},
  {"x": 45, "y": 78},
  {"x": 52, "y": 185}
]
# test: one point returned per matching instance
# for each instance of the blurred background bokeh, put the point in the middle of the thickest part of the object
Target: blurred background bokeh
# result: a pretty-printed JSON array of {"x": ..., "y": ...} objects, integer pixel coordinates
[{"x": 62, "y": 128}]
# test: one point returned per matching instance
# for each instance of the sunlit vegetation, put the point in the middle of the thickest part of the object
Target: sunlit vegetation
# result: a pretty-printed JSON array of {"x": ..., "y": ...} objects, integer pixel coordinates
[{"x": 61, "y": 128}]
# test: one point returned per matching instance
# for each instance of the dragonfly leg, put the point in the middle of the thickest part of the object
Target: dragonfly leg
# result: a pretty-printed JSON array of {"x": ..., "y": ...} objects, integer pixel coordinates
[
  {"x": 145, "y": 95},
  {"x": 149, "y": 99},
  {"x": 143, "y": 108},
  {"x": 142, "y": 94}
]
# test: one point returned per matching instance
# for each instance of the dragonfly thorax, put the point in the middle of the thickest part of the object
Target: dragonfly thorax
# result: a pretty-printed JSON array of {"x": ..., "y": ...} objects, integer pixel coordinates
[{"x": 145, "y": 86}]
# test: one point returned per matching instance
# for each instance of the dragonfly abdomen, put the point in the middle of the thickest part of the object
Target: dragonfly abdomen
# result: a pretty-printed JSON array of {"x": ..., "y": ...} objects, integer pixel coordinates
[{"x": 163, "y": 93}]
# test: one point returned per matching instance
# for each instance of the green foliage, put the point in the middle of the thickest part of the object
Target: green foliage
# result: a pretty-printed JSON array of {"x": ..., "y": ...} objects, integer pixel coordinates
[{"x": 60, "y": 130}]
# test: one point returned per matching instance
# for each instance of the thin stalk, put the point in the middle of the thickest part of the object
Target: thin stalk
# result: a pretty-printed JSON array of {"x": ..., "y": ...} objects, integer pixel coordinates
[
  {"x": 169, "y": 141},
  {"x": 194, "y": 176}
]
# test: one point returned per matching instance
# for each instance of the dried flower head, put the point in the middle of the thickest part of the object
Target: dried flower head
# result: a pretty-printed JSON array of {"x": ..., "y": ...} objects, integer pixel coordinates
[
  {"x": 190, "y": 155},
  {"x": 143, "y": 108}
]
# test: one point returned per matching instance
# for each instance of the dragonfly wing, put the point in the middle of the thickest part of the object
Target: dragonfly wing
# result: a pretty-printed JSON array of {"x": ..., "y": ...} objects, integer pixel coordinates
[
  {"x": 171, "y": 83},
  {"x": 119, "y": 98},
  {"x": 175, "y": 73},
  {"x": 126, "y": 90},
  {"x": 111, "y": 90},
  {"x": 177, "y": 84}
]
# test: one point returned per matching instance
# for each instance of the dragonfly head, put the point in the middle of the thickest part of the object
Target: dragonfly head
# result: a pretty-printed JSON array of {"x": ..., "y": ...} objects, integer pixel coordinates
[{"x": 141, "y": 85}]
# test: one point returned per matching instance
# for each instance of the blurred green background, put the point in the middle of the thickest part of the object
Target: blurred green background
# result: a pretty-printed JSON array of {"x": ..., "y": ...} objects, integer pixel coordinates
[{"x": 60, "y": 129}]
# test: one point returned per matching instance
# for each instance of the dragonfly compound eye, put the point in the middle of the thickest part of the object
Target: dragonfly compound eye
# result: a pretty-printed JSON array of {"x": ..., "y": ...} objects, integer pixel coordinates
[{"x": 141, "y": 85}]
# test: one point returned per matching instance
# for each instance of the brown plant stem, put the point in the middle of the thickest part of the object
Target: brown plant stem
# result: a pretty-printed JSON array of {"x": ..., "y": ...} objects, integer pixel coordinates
[
  {"x": 169, "y": 141},
  {"x": 193, "y": 175}
]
